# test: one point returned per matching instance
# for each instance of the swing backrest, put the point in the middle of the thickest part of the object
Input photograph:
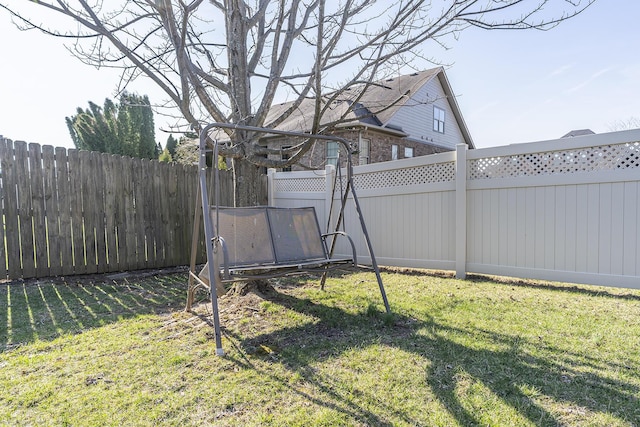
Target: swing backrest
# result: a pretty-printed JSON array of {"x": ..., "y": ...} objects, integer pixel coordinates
[{"x": 269, "y": 236}]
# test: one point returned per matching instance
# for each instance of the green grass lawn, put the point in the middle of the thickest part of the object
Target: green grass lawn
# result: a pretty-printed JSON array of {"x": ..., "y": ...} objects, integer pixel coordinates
[{"x": 99, "y": 352}]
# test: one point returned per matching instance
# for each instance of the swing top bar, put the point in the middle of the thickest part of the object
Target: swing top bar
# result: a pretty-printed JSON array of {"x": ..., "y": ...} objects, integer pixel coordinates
[{"x": 205, "y": 133}]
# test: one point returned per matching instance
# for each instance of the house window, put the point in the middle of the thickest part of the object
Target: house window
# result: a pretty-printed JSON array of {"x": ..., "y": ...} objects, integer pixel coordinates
[
  {"x": 332, "y": 153},
  {"x": 363, "y": 156},
  {"x": 438, "y": 119},
  {"x": 408, "y": 152},
  {"x": 285, "y": 156},
  {"x": 394, "y": 152}
]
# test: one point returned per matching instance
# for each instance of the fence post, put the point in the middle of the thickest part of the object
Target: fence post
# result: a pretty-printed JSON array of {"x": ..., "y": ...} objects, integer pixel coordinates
[
  {"x": 271, "y": 187},
  {"x": 329, "y": 179},
  {"x": 461, "y": 210}
]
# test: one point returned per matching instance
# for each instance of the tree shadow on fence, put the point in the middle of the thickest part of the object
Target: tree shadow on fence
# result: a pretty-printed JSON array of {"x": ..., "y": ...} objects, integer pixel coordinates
[
  {"x": 47, "y": 308},
  {"x": 505, "y": 368}
]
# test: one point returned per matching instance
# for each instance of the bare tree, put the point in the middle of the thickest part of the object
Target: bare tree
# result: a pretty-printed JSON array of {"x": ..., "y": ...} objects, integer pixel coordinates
[
  {"x": 228, "y": 60},
  {"x": 630, "y": 123}
]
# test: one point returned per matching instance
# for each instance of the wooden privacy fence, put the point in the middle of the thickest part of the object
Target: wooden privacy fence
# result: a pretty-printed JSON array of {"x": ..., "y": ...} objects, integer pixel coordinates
[{"x": 70, "y": 212}]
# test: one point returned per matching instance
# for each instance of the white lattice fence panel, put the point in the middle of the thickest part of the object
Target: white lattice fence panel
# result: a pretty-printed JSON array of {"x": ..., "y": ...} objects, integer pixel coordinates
[
  {"x": 588, "y": 159},
  {"x": 426, "y": 174},
  {"x": 300, "y": 185}
]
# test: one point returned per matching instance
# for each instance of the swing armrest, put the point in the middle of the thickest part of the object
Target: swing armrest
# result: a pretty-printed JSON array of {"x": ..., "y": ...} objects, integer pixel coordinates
[
  {"x": 341, "y": 233},
  {"x": 225, "y": 257}
]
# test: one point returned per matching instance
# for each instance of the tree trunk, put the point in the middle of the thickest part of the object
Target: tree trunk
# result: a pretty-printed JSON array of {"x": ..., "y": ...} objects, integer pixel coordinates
[
  {"x": 247, "y": 192},
  {"x": 259, "y": 287},
  {"x": 247, "y": 181}
]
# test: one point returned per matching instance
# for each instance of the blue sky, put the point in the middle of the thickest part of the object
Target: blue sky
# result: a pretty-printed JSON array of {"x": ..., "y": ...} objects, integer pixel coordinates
[{"x": 512, "y": 86}]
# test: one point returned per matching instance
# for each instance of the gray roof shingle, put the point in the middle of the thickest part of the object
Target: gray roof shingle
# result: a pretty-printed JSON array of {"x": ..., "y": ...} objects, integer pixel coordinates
[{"x": 376, "y": 105}]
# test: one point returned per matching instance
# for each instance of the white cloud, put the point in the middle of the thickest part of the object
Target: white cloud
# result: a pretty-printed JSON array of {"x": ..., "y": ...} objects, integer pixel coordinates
[
  {"x": 485, "y": 107},
  {"x": 589, "y": 80},
  {"x": 560, "y": 70}
]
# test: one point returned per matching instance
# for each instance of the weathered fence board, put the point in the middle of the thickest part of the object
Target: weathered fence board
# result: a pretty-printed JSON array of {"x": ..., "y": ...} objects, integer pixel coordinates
[
  {"x": 65, "y": 238},
  {"x": 109, "y": 172},
  {"x": 154, "y": 206},
  {"x": 96, "y": 188},
  {"x": 51, "y": 211},
  {"x": 146, "y": 207},
  {"x": 90, "y": 201},
  {"x": 119, "y": 212},
  {"x": 4, "y": 166},
  {"x": 36, "y": 181},
  {"x": 75, "y": 211},
  {"x": 172, "y": 226},
  {"x": 12, "y": 238},
  {"x": 128, "y": 236},
  {"x": 68, "y": 212},
  {"x": 139, "y": 194},
  {"x": 163, "y": 218},
  {"x": 25, "y": 212}
]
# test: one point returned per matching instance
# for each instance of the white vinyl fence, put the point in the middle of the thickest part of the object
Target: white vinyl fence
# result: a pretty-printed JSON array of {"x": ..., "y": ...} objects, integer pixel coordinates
[{"x": 563, "y": 210}]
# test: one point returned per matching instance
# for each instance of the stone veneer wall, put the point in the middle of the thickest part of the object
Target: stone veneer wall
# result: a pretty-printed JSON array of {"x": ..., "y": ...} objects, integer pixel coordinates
[{"x": 380, "y": 148}]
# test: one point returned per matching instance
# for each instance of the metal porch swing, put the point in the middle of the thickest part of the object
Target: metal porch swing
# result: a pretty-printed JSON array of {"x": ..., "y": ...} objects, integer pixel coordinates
[{"x": 265, "y": 242}]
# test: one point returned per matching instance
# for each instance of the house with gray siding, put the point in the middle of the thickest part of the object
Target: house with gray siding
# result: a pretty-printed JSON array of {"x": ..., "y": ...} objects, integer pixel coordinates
[{"x": 405, "y": 116}]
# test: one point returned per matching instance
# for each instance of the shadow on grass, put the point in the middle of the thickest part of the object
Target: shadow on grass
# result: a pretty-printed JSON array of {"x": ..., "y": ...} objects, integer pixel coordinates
[
  {"x": 512, "y": 374},
  {"x": 337, "y": 402},
  {"x": 45, "y": 309},
  {"x": 549, "y": 286}
]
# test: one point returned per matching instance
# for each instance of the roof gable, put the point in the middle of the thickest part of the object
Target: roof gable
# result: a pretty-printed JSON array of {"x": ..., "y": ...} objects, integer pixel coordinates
[{"x": 385, "y": 97}]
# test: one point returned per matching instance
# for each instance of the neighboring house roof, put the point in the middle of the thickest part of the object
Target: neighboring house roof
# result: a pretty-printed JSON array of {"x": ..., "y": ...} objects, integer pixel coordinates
[
  {"x": 579, "y": 132},
  {"x": 375, "y": 108}
]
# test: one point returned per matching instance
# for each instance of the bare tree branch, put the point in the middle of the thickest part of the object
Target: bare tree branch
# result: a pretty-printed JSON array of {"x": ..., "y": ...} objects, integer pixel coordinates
[{"x": 230, "y": 60}]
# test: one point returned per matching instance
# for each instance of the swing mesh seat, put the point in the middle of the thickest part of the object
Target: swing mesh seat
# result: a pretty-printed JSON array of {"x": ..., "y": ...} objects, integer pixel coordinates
[{"x": 260, "y": 242}]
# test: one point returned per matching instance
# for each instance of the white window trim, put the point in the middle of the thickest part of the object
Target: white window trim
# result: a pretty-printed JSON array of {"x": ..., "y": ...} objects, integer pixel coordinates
[
  {"x": 408, "y": 152},
  {"x": 439, "y": 119},
  {"x": 394, "y": 152},
  {"x": 364, "y": 155},
  {"x": 333, "y": 160}
]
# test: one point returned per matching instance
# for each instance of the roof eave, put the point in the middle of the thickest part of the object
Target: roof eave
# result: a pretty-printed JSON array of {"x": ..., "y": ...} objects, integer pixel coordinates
[
  {"x": 444, "y": 81},
  {"x": 366, "y": 126}
]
